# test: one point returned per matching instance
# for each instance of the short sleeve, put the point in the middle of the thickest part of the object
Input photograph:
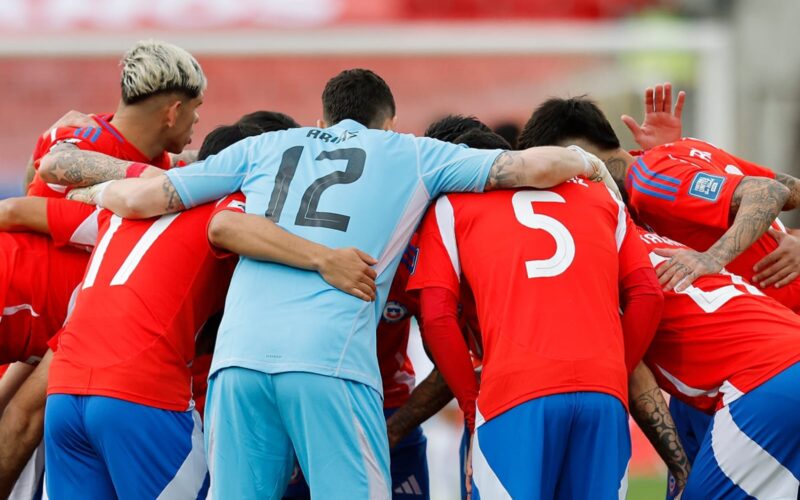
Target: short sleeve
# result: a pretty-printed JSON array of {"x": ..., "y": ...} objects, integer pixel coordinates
[
  {"x": 446, "y": 168},
  {"x": 751, "y": 169},
  {"x": 437, "y": 263},
  {"x": 682, "y": 188},
  {"x": 217, "y": 176},
  {"x": 231, "y": 203},
  {"x": 72, "y": 222},
  {"x": 633, "y": 254}
]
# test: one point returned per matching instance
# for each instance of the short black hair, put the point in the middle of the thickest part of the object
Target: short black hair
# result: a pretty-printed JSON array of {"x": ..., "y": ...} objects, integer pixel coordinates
[
  {"x": 359, "y": 95},
  {"x": 508, "y": 131},
  {"x": 480, "y": 139},
  {"x": 558, "y": 120},
  {"x": 269, "y": 121},
  {"x": 224, "y": 136},
  {"x": 448, "y": 128}
]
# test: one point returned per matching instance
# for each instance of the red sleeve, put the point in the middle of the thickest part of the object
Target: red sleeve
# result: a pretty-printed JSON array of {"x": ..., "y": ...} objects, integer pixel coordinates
[
  {"x": 633, "y": 253},
  {"x": 448, "y": 348},
  {"x": 54, "y": 340},
  {"x": 433, "y": 266},
  {"x": 72, "y": 222},
  {"x": 683, "y": 184},
  {"x": 641, "y": 301},
  {"x": 232, "y": 203},
  {"x": 135, "y": 170},
  {"x": 752, "y": 169}
]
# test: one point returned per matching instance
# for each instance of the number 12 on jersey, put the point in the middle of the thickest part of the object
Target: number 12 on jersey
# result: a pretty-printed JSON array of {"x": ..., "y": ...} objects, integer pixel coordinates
[{"x": 308, "y": 215}]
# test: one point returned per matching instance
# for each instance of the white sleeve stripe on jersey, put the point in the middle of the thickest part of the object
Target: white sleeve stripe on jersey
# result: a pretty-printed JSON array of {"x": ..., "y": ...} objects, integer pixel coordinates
[
  {"x": 145, "y": 242},
  {"x": 445, "y": 219},
  {"x": 406, "y": 224},
  {"x": 100, "y": 251},
  {"x": 86, "y": 233},
  {"x": 622, "y": 225}
]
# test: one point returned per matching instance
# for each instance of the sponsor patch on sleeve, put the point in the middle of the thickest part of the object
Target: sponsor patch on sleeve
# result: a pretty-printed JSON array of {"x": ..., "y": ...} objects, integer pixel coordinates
[{"x": 706, "y": 186}]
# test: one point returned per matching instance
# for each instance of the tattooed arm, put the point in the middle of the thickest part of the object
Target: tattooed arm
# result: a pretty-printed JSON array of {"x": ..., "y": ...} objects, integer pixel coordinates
[
  {"x": 542, "y": 167},
  {"x": 69, "y": 166},
  {"x": 133, "y": 198},
  {"x": 651, "y": 413},
  {"x": 793, "y": 184},
  {"x": 756, "y": 203},
  {"x": 430, "y": 396}
]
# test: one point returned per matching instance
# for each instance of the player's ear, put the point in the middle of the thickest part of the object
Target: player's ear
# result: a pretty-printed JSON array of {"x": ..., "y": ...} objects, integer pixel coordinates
[
  {"x": 321, "y": 123},
  {"x": 391, "y": 124},
  {"x": 172, "y": 112}
]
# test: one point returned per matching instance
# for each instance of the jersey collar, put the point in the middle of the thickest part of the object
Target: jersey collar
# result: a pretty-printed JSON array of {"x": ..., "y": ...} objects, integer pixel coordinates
[{"x": 349, "y": 124}]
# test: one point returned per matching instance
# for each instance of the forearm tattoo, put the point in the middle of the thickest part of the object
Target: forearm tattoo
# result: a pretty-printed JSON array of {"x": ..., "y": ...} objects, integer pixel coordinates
[
  {"x": 73, "y": 167},
  {"x": 505, "y": 171},
  {"x": 173, "y": 200},
  {"x": 756, "y": 203},
  {"x": 651, "y": 412},
  {"x": 794, "y": 189}
]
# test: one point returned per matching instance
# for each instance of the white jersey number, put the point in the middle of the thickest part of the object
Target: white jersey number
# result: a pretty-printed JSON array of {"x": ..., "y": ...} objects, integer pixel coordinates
[
  {"x": 134, "y": 257},
  {"x": 565, "y": 245},
  {"x": 711, "y": 300}
]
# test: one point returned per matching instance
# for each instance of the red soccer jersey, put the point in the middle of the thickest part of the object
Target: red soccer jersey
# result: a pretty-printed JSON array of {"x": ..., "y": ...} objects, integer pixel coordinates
[
  {"x": 149, "y": 287},
  {"x": 397, "y": 372},
  {"x": 36, "y": 283},
  {"x": 719, "y": 338},
  {"x": 544, "y": 266},
  {"x": 103, "y": 138},
  {"x": 683, "y": 190}
]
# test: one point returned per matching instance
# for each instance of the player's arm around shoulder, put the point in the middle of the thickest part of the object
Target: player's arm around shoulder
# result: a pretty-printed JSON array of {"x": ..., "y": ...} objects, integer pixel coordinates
[
  {"x": 542, "y": 167},
  {"x": 255, "y": 236},
  {"x": 27, "y": 213}
]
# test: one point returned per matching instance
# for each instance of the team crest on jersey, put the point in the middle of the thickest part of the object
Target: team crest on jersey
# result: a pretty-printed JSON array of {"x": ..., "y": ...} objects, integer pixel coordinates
[
  {"x": 706, "y": 186},
  {"x": 394, "y": 312}
]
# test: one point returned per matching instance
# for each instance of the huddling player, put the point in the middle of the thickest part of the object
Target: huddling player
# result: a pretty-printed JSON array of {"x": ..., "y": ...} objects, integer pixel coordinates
[
  {"x": 313, "y": 378},
  {"x": 692, "y": 190},
  {"x": 162, "y": 87}
]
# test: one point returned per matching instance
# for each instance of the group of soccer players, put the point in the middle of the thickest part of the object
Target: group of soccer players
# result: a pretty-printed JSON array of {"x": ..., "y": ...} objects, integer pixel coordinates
[{"x": 270, "y": 278}]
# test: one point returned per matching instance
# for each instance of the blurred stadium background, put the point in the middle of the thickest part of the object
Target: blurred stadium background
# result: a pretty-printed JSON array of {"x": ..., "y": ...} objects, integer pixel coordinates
[{"x": 739, "y": 61}]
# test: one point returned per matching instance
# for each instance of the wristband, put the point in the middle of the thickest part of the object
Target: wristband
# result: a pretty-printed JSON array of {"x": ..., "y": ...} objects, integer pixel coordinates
[
  {"x": 99, "y": 190},
  {"x": 135, "y": 170},
  {"x": 591, "y": 170}
]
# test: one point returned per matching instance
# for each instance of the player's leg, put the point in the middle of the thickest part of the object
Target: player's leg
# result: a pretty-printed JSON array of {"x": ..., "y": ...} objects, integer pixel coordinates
[
  {"x": 520, "y": 453},
  {"x": 599, "y": 450},
  {"x": 74, "y": 468},
  {"x": 692, "y": 426},
  {"x": 249, "y": 452},
  {"x": 339, "y": 433},
  {"x": 409, "y": 466},
  {"x": 753, "y": 444},
  {"x": 149, "y": 452}
]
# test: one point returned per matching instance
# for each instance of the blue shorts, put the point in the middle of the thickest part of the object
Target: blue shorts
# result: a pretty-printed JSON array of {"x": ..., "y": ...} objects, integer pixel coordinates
[
  {"x": 753, "y": 446},
  {"x": 335, "y": 427},
  {"x": 409, "y": 468},
  {"x": 574, "y": 445},
  {"x": 692, "y": 426},
  {"x": 101, "y": 448}
]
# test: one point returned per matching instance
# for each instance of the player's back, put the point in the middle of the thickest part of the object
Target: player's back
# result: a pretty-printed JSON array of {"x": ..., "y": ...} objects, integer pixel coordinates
[
  {"x": 102, "y": 137},
  {"x": 342, "y": 186},
  {"x": 544, "y": 269},
  {"x": 719, "y": 337},
  {"x": 684, "y": 191},
  {"x": 149, "y": 287}
]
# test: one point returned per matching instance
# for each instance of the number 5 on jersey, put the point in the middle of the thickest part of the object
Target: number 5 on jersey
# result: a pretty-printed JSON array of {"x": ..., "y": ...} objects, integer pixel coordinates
[{"x": 565, "y": 245}]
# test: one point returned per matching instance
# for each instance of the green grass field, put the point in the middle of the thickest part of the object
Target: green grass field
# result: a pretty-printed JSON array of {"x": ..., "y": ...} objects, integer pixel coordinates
[{"x": 647, "y": 488}]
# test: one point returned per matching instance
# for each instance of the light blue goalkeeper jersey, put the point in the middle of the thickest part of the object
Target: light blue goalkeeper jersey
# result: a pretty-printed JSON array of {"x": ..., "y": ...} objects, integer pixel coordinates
[{"x": 341, "y": 186}]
